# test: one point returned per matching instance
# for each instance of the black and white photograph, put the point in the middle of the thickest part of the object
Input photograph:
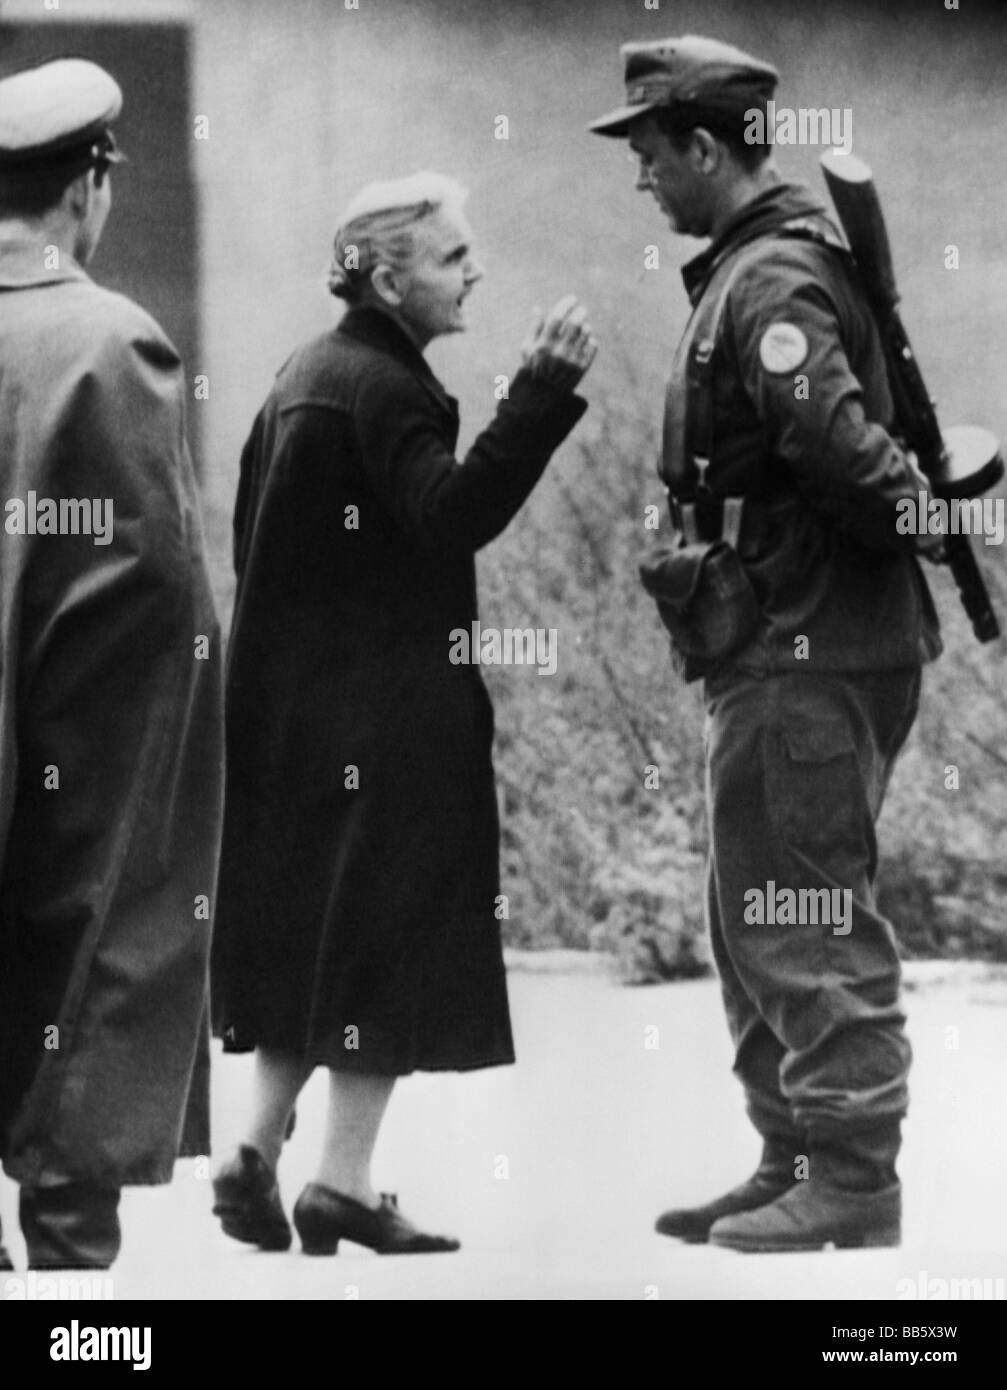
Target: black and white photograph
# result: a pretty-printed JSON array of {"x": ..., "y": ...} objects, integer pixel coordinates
[{"x": 503, "y": 719}]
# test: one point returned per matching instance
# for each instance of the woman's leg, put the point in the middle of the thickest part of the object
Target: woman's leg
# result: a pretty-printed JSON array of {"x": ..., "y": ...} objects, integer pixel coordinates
[
  {"x": 356, "y": 1108},
  {"x": 279, "y": 1077},
  {"x": 245, "y": 1190},
  {"x": 342, "y": 1204}
]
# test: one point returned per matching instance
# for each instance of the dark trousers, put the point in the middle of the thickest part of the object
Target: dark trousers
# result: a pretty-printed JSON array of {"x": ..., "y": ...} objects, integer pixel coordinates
[{"x": 797, "y": 769}]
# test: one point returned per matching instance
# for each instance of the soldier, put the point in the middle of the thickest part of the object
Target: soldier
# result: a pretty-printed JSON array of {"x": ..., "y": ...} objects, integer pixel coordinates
[
  {"x": 775, "y": 439},
  {"x": 110, "y": 721}
]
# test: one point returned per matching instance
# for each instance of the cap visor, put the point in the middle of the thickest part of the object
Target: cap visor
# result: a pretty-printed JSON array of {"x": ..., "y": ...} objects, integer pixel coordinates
[{"x": 618, "y": 122}]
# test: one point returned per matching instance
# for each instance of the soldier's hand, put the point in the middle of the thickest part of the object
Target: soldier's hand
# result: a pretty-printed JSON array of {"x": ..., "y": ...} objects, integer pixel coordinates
[
  {"x": 928, "y": 547},
  {"x": 560, "y": 347}
]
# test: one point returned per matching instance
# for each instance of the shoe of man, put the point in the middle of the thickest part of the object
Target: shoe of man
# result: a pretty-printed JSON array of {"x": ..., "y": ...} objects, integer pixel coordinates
[
  {"x": 773, "y": 1177},
  {"x": 70, "y": 1225},
  {"x": 812, "y": 1215}
]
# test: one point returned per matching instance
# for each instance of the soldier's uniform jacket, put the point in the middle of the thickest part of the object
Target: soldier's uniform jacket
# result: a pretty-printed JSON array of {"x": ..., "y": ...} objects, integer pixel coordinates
[
  {"x": 800, "y": 405},
  {"x": 103, "y": 946}
]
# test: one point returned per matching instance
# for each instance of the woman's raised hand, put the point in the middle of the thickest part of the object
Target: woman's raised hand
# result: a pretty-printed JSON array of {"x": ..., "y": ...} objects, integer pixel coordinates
[{"x": 560, "y": 348}]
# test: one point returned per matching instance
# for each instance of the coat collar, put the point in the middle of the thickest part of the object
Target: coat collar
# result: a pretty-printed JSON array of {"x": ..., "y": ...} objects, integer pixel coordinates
[
  {"x": 377, "y": 330},
  {"x": 776, "y": 205},
  {"x": 22, "y": 266}
]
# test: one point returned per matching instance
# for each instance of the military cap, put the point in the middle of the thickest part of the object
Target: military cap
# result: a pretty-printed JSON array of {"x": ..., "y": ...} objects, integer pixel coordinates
[
  {"x": 57, "y": 116},
  {"x": 689, "y": 70}
]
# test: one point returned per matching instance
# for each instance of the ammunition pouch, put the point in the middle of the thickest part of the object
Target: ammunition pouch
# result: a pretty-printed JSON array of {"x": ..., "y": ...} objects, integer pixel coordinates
[{"x": 704, "y": 595}]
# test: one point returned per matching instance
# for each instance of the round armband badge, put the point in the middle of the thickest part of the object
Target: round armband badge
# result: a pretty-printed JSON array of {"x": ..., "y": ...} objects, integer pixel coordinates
[{"x": 782, "y": 348}]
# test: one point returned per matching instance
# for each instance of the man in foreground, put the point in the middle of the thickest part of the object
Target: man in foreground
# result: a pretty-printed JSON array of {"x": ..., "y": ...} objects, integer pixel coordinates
[{"x": 110, "y": 708}]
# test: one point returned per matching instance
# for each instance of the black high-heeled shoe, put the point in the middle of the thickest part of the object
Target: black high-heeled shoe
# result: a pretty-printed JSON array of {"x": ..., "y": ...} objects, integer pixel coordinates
[
  {"x": 247, "y": 1200},
  {"x": 324, "y": 1217}
]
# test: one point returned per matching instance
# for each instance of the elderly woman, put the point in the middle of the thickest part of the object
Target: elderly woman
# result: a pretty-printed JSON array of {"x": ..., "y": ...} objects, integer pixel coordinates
[{"x": 356, "y": 924}]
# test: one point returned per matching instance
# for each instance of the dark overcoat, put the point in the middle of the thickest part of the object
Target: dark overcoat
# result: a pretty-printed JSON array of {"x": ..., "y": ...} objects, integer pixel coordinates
[
  {"x": 111, "y": 741},
  {"x": 357, "y": 916}
]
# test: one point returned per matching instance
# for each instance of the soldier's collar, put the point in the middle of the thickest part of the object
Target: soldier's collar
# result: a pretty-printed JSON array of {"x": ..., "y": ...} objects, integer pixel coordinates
[{"x": 770, "y": 208}]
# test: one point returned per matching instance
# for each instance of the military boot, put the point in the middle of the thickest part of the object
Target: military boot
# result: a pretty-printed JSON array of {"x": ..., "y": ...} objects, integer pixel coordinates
[
  {"x": 851, "y": 1198},
  {"x": 774, "y": 1176}
]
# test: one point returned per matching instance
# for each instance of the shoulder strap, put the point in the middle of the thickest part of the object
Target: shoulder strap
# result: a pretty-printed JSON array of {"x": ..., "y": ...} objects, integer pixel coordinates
[
  {"x": 697, "y": 424},
  {"x": 699, "y": 369}
]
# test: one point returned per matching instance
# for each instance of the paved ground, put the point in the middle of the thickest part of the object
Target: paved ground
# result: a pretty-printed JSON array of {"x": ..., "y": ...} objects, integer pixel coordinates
[{"x": 552, "y": 1172}]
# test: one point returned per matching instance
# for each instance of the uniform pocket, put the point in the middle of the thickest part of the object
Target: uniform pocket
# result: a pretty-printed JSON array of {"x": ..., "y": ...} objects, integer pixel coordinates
[{"x": 820, "y": 802}]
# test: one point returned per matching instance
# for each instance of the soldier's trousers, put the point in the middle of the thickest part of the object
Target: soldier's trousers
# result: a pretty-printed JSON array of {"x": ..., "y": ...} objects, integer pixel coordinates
[{"x": 797, "y": 767}]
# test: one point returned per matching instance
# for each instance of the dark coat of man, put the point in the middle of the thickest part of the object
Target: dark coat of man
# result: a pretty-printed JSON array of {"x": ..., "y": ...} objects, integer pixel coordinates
[
  {"x": 358, "y": 919},
  {"x": 110, "y": 741}
]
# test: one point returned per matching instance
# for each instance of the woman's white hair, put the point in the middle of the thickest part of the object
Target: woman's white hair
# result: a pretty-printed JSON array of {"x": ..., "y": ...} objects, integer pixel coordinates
[{"x": 378, "y": 227}]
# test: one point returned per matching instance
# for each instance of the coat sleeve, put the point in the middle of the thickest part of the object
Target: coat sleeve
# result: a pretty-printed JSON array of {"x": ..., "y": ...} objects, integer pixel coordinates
[
  {"x": 108, "y": 627},
  {"x": 786, "y": 324},
  {"x": 438, "y": 501}
]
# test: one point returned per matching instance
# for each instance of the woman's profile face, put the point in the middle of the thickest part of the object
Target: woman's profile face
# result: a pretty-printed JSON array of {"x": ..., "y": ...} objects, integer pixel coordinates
[{"x": 443, "y": 272}]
